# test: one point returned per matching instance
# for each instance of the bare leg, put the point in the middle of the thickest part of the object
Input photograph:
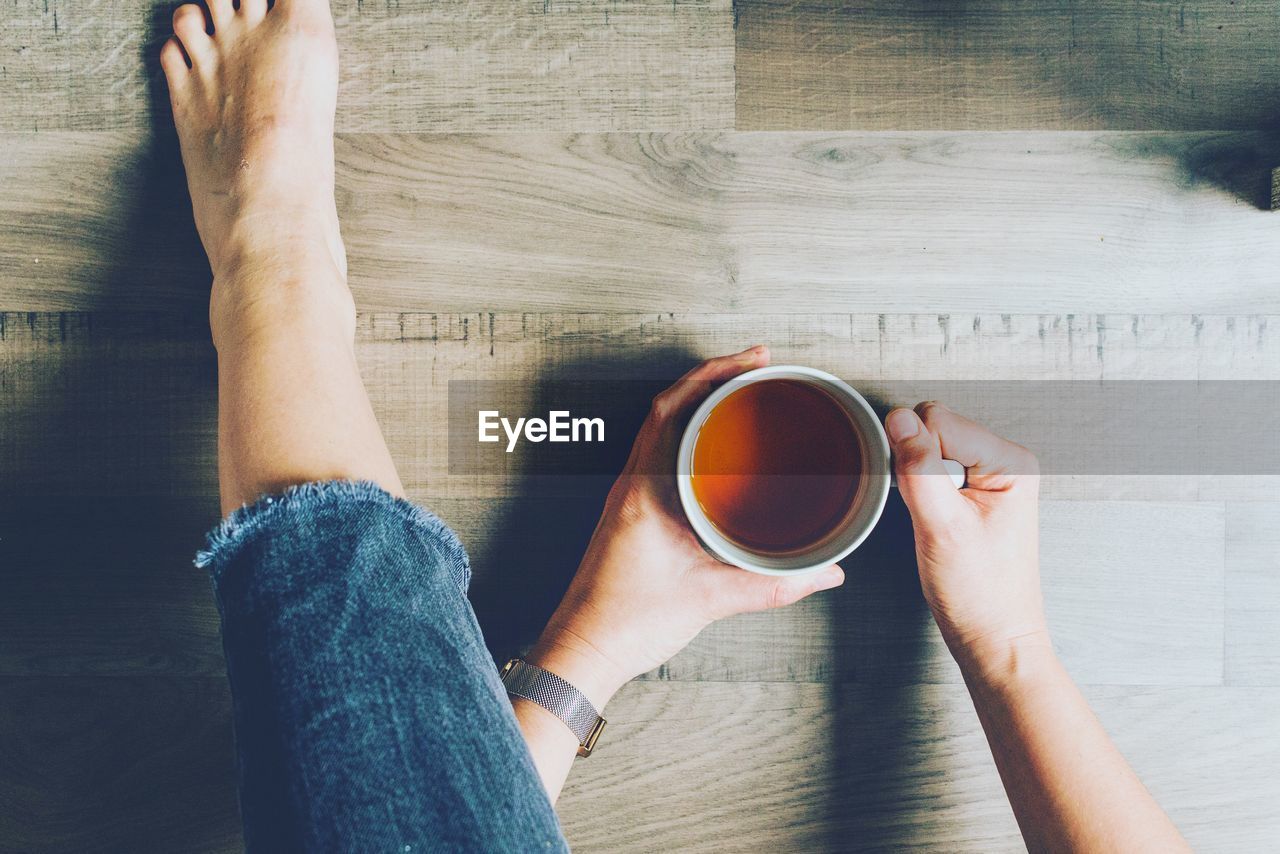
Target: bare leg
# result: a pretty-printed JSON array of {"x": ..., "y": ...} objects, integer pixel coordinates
[
  {"x": 254, "y": 106},
  {"x": 368, "y": 713}
]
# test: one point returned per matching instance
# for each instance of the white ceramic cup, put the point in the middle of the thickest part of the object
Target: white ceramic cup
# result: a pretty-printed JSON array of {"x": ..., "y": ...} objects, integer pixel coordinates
[{"x": 867, "y": 506}]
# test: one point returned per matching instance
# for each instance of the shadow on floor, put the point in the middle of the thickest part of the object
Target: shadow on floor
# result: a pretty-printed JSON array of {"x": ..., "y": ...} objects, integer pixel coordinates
[
  {"x": 543, "y": 530},
  {"x": 1239, "y": 163},
  {"x": 108, "y": 634},
  {"x": 882, "y": 662},
  {"x": 158, "y": 228},
  {"x": 115, "y": 719}
]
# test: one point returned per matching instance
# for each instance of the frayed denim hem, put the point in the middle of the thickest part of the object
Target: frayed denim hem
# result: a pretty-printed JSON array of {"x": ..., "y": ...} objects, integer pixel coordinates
[{"x": 223, "y": 541}]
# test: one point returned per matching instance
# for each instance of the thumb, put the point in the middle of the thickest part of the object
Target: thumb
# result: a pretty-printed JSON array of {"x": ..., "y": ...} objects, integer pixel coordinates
[
  {"x": 763, "y": 592},
  {"x": 925, "y": 485}
]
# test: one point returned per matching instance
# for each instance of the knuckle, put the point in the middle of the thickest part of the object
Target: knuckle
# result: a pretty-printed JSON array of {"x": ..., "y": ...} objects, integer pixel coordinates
[
  {"x": 784, "y": 592},
  {"x": 909, "y": 457},
  {"x": 660, "y": 409},
  {"x": 777, "y": 596},
  {"x": 632, "y": 505},
  {"x": 707, "y": 364},
  {"x": 942, "y": 533},
  {"x": 929, "y": 411}
]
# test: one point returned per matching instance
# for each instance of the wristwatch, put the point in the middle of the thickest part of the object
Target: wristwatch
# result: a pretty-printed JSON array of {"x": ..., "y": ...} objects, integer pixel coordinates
[{"x": 558, "y": 697}]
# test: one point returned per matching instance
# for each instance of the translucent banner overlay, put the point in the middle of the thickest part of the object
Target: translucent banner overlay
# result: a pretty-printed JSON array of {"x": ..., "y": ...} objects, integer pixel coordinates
[{"x": 1125, "y": 427}]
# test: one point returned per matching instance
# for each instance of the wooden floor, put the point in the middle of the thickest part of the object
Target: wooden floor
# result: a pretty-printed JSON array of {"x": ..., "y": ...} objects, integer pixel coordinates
[{"x": 960, "y": 191}]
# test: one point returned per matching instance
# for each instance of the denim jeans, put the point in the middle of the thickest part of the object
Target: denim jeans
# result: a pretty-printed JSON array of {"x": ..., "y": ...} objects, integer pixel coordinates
[{"x": 368, "y": 713}]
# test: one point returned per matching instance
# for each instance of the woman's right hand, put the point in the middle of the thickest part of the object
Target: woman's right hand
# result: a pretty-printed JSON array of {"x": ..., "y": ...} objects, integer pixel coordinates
[
  {"x": 977, "y": 547},
  {"x": 977, "y": 550}
]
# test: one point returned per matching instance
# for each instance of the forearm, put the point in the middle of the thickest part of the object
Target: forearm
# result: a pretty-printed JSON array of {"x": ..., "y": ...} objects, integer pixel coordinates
[
  {"x": 1070, "y": 788},
  {"x": 551, "y": 743}
]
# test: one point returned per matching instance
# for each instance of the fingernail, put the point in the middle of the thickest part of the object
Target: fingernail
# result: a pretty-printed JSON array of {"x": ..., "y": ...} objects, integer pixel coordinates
[
  {"x": 902, "y": 424},
  {"x": 751, "y": 351},
  {"x": 831, "y": 579}
]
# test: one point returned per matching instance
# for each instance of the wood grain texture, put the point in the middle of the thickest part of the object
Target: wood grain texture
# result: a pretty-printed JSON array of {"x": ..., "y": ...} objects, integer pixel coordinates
[
  {"x": 1158, "y": 569},
  {"x": 123, "y": 403},
  {"x": 1253, "y": 593},
  {"x": 107, "y": 481},
  {"x": 117, "y": 764},
  {"x": 1134, "y": 593},
  {"x": 102, "y": 587},
  {"x": 726, "y": 223},
  {"x": 1002, "y": 64},
  {"x": 787, "y": 767},
  {"x": 411, "y": 65},
  {"x": 622, "y": 234},
  {"x": 122, "y": 407},
  {"x": 882, "y": 355}
]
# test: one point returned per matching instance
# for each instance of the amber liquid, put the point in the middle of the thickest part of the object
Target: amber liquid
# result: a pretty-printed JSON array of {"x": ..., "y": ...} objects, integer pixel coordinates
[{"x": 777, "y": 466}]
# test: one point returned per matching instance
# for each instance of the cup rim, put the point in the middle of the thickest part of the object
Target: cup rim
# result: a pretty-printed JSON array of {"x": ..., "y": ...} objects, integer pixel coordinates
[{"x": 729, "y": 552}]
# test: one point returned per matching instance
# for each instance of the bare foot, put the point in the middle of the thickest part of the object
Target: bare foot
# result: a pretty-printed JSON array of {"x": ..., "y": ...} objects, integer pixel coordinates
[{"x": 254, "y": 105}]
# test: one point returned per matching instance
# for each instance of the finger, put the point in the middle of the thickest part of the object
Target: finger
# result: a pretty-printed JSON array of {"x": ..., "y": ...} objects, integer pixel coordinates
[
  {"x": 922, "y": 479},
  {"x": 688, "y": 391},
  {"x": 655, "y": 445},
  {"x": 754, "y": 592},
  {"x": 991, "y": 462}
]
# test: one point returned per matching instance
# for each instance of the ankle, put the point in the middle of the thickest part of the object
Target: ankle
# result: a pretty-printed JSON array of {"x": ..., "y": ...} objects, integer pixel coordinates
[
  {"x": 278, "y": 235},
  {"x": 266, "y": 295},
  {"x": 252, "y": 254}
]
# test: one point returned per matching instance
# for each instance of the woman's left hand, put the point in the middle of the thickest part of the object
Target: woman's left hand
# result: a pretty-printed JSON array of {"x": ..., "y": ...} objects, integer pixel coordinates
[{"x": 646, "y": 587}]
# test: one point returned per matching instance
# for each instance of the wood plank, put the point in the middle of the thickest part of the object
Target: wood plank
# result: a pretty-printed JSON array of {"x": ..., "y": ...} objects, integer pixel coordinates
[
  {"x": 1253, "y": 593},
  {"x": 728, "y": 223},
  {"x": 123, "y": 403},
  {"x": 1134, "y": 594},
  {"x": 412, "y": 65},
  {"x": 883, "y": 355},
  {"x": 111, "y": 433},
  {"x": 775, "y": 766},
  {"x": 1137, "y": 601},
  {"x": 117, "y": 764},
  {"x": 101, "y": 587},
  {"x": 1163, "y": 487},
  {"x": 699, "y": 767},
  {"x": 114, "y": 406},
  {"x": 1000, "y": 64}
]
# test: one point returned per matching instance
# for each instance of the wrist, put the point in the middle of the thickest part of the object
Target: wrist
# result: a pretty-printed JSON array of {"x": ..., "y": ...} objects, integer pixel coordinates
[
  {"x": 580, "y": 664},
  {"x": 1006, "y": 661}
]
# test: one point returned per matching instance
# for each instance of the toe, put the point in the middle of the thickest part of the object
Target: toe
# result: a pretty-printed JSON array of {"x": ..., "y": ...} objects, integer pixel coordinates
[
  {"x": 253, "y": 11},
  {"x": 174, "y": 63},
  {"x": 222, "y": 12},
  {"x": 190, "y": 26}
]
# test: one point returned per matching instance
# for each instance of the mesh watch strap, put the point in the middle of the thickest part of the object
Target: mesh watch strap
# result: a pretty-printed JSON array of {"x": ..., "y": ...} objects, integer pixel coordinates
[{"x": 558, "y": 697}]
